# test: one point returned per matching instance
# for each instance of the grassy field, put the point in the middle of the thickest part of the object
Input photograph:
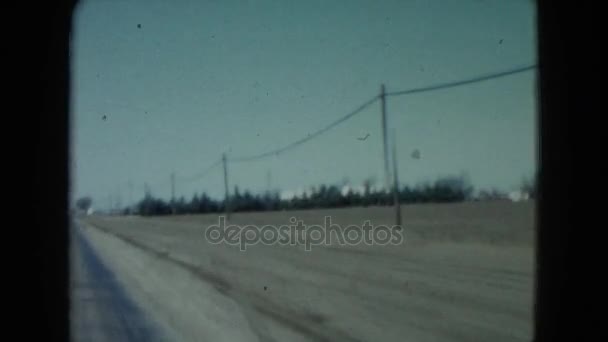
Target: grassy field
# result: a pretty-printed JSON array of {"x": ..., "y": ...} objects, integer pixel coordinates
[{"x": 465, "y": 272}]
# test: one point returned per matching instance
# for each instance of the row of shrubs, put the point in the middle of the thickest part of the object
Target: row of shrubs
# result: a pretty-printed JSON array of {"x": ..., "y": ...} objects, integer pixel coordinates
[{"x": 443, "y": 190}]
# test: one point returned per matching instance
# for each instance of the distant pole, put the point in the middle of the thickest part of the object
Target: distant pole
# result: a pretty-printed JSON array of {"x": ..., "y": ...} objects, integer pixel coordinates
[
  {"x": 396, "y": 184},
  {"x": 173, "y": 193},
  {"x": 387, "y": 181},
  {"x": 227, "y": 195},
  {"x": 118, "y": 200},
  {"x": 268, "y": 181},
  {"x": 146, "y": 190},
  {"x": 130, "y": 194}
]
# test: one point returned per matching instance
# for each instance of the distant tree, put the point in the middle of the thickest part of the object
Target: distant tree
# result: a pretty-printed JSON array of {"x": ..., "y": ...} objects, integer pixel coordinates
[
  {"x": 422, "y": 193},
  {"x": 193, "y": 206},
  {"x": 270, "y": 201},
  {"x": 444, "y": 189},
  {"x": 236, "y": 200},
  {"x": 367, "y": 192},
  {"x": 180, "y": 206},
  {"x": 150, "y": 206},
  {"x": 367, "y": 185},
  {"x": 333, "y": 197},
  {"x": 84, "y": 203},
  {"x": 296, "y": 202},
  {"x": 347, "y": 199},
  {"x": 353, "y": 198},
  {"x": 491, "y": 195},
  {"x": 406, "y": 195},
  {"x": 204, "y": 204},
  {"x": 451, "y": 189},
  {"x": 276, "y": 203}
]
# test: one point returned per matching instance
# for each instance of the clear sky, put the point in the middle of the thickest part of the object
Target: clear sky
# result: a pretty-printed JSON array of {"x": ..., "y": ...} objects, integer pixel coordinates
[{"x": 198, "y": 78}]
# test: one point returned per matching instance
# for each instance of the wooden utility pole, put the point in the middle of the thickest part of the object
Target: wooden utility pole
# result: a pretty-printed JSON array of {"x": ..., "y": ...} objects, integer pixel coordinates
[
  {"x": 387, "y": 181},
  {"x": 396, "y": 184},
  {"x": 173, "y": 193},
  {"x": 227, "y": 194},
  {"x": 131, "y": 194}
]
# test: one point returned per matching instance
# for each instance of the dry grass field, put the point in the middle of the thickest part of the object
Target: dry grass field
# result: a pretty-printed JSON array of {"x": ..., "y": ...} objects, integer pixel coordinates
[{"x": 465, "y": 272}]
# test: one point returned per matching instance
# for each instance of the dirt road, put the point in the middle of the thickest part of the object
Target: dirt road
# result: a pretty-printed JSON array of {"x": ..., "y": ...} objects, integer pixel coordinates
[
  {"x": 100, "y": 308},
  {"x": 463, "y": 273}
]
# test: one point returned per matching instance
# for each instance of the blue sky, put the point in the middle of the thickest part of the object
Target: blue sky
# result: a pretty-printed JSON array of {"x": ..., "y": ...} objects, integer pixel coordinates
[{"x": 199, "y": 78}]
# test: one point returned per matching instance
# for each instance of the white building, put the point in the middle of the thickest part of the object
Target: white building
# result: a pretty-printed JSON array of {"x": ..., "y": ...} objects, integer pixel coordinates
[{"x": 518, "y": 196}]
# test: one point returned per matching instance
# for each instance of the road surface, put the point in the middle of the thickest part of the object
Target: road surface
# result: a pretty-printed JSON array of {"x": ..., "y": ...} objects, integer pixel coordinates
[{"x": 100, "y": 308}]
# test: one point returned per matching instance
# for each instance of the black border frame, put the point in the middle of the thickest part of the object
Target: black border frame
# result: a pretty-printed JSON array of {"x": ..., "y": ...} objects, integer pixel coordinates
[{"x": 564, "y": 33}]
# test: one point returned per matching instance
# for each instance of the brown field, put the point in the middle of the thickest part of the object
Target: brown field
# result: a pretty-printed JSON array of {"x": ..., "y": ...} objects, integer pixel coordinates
[{"x": 465, "y": 272}]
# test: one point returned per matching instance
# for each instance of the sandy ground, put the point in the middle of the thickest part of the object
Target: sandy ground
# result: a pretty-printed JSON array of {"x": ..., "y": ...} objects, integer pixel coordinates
[{"x": 464, "y": 273}]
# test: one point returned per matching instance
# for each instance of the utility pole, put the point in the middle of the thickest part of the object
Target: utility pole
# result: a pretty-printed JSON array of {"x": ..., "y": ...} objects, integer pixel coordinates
[
  {"x": 387, "y": 181},
  {"x": 118, "y": 200},
  {"x": 130, "y": 194},
  {"x": 268, "y": 182},
  {"x": 227, "y": 195},
  {"x": 396, "y": 184},
  {"x": 173, "y": 193}
]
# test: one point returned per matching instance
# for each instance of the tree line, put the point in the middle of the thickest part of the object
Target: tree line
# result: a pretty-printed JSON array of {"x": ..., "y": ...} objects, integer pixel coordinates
[{"x": 443, "y": 190}]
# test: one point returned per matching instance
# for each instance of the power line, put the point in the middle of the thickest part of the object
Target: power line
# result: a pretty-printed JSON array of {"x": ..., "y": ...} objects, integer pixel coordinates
[
  {"x": 163, "y": 183},
  {"x": 203, "y": 173},
  {"x": 294, "y": 144},
  {"x": 308, "y": 137},
  {"x": 463, "y": 82},
  {"x": 372, "y": 100}
]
